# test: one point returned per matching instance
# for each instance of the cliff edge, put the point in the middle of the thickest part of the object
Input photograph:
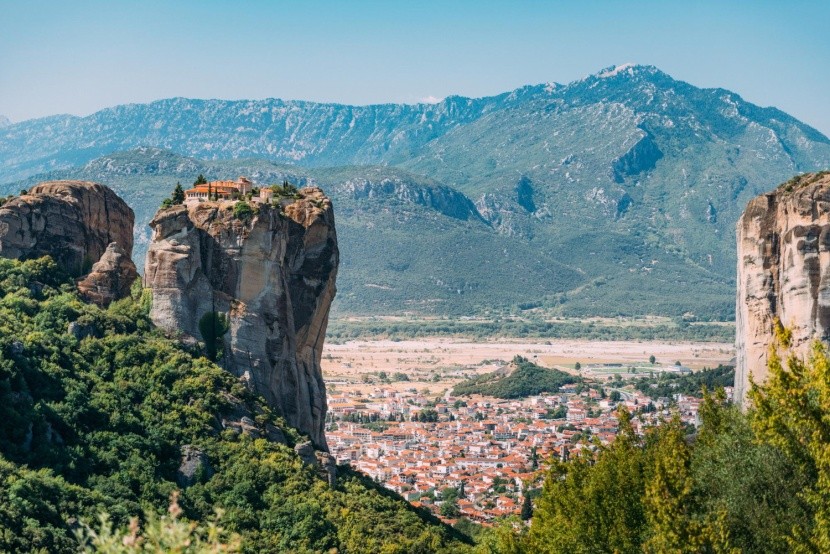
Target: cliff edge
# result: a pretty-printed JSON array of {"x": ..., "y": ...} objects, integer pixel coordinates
[
  {"x": 85, "y": 227},
  {"x": 271, "y": 273},
  {"x": 783, "y": 273}
]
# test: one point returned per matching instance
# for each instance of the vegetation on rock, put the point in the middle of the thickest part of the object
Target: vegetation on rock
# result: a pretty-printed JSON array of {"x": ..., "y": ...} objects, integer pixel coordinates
[
  {"x": 243, "y": 211},
  {"x": 213, "y": 326}
]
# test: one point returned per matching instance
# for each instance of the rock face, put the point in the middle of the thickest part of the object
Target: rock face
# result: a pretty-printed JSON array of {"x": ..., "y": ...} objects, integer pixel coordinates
[
  {"x": 194, "y": 466},
  {"x": 110, "y": 278},
  {"x": 272, "y": 274},
  {"x": 783, "y": 273},
  {"x": 72, "y": 221}
]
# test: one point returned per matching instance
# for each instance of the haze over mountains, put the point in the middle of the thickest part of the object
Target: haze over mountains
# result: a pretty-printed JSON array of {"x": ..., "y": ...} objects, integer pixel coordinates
[{"x": 615, "y": 194}]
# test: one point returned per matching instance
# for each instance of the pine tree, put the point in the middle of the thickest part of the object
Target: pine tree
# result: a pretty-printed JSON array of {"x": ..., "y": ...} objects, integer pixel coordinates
[
  {"x": 587, "y": 502},
  {"x": 527, "y": 507},
  {"x": 200, "y": 180},
  {"x": 673, "y": 526},
  {"x": 791, "y": 413},
  {"x": 178, "y": 194}
]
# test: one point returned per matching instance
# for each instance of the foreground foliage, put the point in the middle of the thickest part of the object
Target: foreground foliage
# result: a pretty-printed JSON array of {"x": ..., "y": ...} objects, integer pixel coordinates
[
  {"x": 96, "y": 406},
  {"x": 755, "y": 482}
]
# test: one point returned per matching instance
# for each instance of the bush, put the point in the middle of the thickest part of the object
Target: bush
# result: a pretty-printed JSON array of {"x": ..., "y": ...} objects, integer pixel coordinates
[{"x": 243, "y": 211}]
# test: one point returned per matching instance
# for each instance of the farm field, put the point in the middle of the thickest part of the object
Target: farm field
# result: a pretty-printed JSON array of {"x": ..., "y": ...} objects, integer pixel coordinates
[{"x": 437, "y": 364}]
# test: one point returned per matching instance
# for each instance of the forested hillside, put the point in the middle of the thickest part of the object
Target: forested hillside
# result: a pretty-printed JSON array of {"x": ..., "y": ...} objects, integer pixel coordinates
[
  {"x": 100, "y": 409},
  {"x": 522, "y": 378}
]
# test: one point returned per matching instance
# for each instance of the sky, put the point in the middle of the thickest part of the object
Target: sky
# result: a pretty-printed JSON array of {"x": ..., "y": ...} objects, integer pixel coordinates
[{"x": 81, "y": 56}]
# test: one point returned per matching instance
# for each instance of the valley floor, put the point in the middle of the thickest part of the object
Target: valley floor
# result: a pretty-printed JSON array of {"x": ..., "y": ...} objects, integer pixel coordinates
[
  {"x": 392, "y": 414},
  {"x": 437, "y": 364}
]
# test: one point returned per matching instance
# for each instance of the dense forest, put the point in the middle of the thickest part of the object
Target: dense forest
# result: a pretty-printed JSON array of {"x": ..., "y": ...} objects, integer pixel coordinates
[{"x": 97, "y": 409}]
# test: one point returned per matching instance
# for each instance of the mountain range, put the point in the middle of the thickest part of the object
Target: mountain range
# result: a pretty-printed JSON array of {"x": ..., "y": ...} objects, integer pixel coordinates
[{"x": 613, "y": 195}]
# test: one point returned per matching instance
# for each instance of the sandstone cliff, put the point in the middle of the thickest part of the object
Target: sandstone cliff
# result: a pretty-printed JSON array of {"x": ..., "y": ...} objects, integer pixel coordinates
[
  {"x": 783, "y": 272},
  {"x": 272, "y": 274},
  {"x": 74, "y": 222}
]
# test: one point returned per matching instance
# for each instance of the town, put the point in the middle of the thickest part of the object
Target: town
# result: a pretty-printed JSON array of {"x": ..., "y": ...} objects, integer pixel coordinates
[{"x": 479, "y": 457}]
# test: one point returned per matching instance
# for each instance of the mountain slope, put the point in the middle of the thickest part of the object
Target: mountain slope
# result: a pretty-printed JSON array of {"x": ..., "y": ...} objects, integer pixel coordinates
[
  {"x": 101, "y": 412},
  {"x": 404, "y": 239},
  {"x": 615, "y": 194}
]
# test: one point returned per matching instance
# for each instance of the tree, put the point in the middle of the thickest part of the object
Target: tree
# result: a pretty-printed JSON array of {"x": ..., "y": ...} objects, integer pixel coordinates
[
  {"x": 449, "y": 493},
  {"x": 587, "y": 502},
  {"x": 527, "y": 507},
  {"x": 577, "y": 366},
  {"x": 178, "y": 194},
  {"x": 213, "y": 326},
  {"x": 731, "y": 467},
  {"x": 673, "y": 525},
  {"x": 449, "y": 508},
  {"x": 652, "y": 359},
  {"x": 200, "y": 180},
  {"x": 166, "y": 533},
  {"x": 615, "y": 396},
  {"x": 792, "y": 414}
]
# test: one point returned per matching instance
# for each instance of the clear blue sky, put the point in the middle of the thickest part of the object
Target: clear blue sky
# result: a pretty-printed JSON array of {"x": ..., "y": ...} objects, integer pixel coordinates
[{"x": 78, "y": 56}]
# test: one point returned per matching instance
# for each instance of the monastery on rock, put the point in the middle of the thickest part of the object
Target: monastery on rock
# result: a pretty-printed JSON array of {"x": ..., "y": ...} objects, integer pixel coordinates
[{"x": 222, "y": 190}]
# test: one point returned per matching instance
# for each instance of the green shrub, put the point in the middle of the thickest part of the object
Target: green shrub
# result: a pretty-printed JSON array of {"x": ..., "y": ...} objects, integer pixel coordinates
[{"x": 243, "y": 211}]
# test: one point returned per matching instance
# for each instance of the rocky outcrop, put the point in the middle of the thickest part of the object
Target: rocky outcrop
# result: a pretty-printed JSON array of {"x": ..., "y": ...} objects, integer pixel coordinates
[
  {"x": 110, "y": 277},
  {"x": 323, "y": 462},
  {"x": 272, "y": 274},
  {"x": 783, "y": 273},
  {"x": 72, "y": 221},
  {"x": 440, "y": 198},
  {"x": 194, "y": 466}
]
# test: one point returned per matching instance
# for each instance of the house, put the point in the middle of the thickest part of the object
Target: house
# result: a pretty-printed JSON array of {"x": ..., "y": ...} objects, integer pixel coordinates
[{"x": 222, "y": 190}]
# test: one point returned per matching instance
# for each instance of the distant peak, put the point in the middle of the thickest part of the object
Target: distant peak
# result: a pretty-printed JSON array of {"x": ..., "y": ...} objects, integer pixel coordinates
[
  {"x": 4, "y": 121},
  {"x": 629, "y": 69},
  {"x": 615, "y": 70}
]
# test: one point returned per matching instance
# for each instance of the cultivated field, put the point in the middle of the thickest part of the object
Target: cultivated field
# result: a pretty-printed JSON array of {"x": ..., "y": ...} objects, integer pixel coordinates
[{"x": 436, "y": 364}]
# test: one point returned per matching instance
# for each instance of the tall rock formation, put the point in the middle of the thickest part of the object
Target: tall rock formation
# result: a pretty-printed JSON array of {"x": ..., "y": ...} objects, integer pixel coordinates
[
  {"x": 272, "y": 274},
  {"x": 76, "y": 223},
  {"x": 783, "y": 272}
]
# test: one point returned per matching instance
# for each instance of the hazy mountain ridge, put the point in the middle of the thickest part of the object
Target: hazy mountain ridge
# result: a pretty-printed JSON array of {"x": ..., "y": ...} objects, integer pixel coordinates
[
  {"x": 617, "y": 193},
  {"x": 335, "y": 134}
]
